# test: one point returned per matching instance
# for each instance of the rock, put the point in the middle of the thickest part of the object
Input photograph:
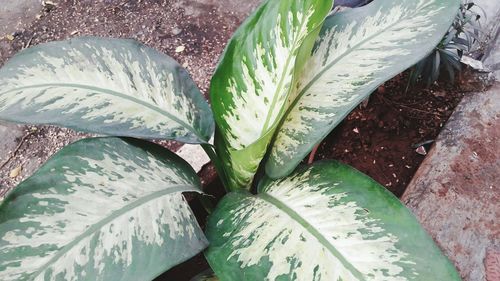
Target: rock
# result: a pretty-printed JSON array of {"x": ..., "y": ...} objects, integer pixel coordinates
[
  {"x": 492, "y": 264},
  {"x": 176, "y": 31},
  {"x": 180, "y": 49},
  {"x": 475, "y": 64},
  {"x": 194, "y": 155},
  {"x": 421, "y": 150},
  {"x": 455, "y": 193}
]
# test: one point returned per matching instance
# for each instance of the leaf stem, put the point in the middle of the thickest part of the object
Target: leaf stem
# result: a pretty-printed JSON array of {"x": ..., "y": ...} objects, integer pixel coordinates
[
  {"x": 313, "y": 153},
  {"x": 207, "y": 204},
  {"x": 219, "y": 167}
]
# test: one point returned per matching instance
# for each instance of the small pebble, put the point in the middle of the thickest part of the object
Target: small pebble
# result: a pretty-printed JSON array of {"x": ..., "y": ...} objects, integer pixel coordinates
[
  {"x": 180, "y": 49},
  {"x": 421, "y": 150}
]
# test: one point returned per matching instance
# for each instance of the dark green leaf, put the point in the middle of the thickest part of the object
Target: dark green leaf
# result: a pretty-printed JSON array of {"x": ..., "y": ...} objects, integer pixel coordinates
[
  {"x": 106, "y": 86},
  {"x": 100, "y": 209}
]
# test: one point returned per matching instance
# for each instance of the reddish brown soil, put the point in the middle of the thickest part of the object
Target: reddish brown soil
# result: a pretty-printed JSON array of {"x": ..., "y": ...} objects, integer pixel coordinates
[{"x": 380, "y": 139}]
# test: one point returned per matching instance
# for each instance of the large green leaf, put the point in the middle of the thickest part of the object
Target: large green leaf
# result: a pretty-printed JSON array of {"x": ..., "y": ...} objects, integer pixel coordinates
[
  {"x": 357, "y": 51},
  {"x": 100, "y": 209},
  {"x": 109, "y": 86},
  {"x": 326, "y": 222},
  {"x": 251, "y": 85}
]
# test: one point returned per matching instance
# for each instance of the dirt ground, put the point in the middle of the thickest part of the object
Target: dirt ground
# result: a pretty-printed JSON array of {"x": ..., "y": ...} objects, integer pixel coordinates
[
  {"x": 15, "y": 15},
  {"x": 381, "y": 139}
]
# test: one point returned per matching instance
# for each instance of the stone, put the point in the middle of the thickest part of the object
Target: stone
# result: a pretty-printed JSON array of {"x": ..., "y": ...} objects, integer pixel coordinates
[
  {"x": 455, "y": 193},
  {"x": 194, "y": 155}
]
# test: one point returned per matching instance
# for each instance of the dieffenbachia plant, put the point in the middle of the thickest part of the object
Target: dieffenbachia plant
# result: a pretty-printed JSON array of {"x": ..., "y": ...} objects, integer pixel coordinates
[{"x": 112, "y": 208}]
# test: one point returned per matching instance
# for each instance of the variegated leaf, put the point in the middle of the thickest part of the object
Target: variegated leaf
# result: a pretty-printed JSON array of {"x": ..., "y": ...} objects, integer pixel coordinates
[
  {"x": 108, "y": 86},
  {"x": 325, "y": 222},
  {"x": 358, "y": 50},
  {"x": 100, "y": 209},
  {"x": 251, "y": 85}
]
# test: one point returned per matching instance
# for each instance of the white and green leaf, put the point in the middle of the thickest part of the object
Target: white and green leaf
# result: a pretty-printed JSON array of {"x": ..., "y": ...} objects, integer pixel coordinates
[
  {"x": 357, "y": 50},
  {"x": 324, "y": 222},
  {"x": 107, "y": 86},
  {"x": 251, "y": 86},
  {"x": 100, "y": 209}
]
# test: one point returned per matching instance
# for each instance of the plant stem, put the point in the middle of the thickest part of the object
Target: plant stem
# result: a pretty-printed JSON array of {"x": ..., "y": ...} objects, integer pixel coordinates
[
  {"x": 313, "y": 153},
  {"x": 210, "y": 150},
  {"x": 207, "y": 204}
]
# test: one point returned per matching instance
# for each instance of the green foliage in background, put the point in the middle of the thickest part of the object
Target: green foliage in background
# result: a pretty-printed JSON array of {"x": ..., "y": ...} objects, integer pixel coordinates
[{"x": 458, "y": 40}]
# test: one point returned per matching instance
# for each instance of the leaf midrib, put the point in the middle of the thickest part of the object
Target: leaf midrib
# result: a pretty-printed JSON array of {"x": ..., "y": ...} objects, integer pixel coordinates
[
  {"x": 313, "y": 231},
  {"x": 113, "y": 93},
  {"x": 334, "y": 62},
  {"x": 97, "y": 226},
  {"x": 280, "y": 87}
]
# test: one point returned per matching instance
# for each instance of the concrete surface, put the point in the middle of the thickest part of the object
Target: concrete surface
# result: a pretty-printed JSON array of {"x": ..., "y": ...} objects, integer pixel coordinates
[
  {"x": 16, "y": 14},
  {"x": 492, "y": 10},
  {"x": 491, "y": 26},
  {"x": 492, "y": 60},
  {"x": 456, "y": 191},
  {"x": 10, "y": 135}
]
